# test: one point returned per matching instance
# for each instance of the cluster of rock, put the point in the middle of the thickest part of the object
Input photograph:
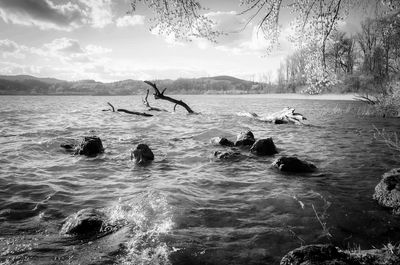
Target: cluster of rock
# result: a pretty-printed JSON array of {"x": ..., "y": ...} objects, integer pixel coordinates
[
  {"x": 92, "y": 222},
  {"x": 260, "y": 147},
  {"x": 92, "y": 146}
]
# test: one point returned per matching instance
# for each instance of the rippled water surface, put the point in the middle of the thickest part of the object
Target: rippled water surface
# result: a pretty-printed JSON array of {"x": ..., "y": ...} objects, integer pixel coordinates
[{"x": 187, "y": 207}]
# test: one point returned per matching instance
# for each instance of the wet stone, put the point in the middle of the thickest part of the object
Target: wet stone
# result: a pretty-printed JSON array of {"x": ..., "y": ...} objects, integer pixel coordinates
[
  {"x": 245, "y": 139},
  {"x": 293, "y": 164},
  {"x": 226, "y": 155},
  {"x": 263, "y": 147},
  {"x": 142, "y": 154},
  {"x": 85, "y": 222},
  {"x": 90, "y": 146}
]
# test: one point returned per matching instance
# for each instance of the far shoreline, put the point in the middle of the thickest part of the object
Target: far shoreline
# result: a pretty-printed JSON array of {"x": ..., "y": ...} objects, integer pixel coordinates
[{"x": 344, "y": 97}]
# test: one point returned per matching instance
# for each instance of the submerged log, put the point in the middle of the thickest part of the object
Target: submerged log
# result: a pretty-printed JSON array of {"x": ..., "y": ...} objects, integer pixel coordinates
[
  {"x": 129, "y": 111},
  {"x": 285, "y": 116},
  {"x": 160, "y": 95}
]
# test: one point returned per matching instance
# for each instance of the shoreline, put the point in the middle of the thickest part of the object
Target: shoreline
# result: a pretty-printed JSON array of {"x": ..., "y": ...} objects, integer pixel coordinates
[{"x": 345, "y": 97}]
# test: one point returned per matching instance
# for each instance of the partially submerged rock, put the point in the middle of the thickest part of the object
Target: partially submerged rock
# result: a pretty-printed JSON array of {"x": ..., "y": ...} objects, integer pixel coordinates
[
  {"x": 245, "y": 139},
  {"x": 387, "y": 192},
  {"x": 293, "y": 164},
  {"x": 263, "y": 147},
  {"x": 226, "y": 155},
  {"x": 87, "y": 221},
  {"x": 142, "y": 154},
  {"x": 331, "y": 255},
  {"x": 90, "y": 146},
  {"x": 222, "y": 141}
]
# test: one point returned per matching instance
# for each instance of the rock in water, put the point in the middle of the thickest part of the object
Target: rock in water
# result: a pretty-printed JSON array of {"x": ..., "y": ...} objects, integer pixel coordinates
[
  {"x": 221, "y": 141},
  {"x": 142, "y": 154},
  {"x": 293, "y": 164},
  {"x": 245, "y": 139},
  {"x": 226, "y": 155},
  {"x": 87, "y": 221},
  {"x": 264, "y": 147},
  {"x": 387, "y": 192},
  {"x": 90, "y": 146}
]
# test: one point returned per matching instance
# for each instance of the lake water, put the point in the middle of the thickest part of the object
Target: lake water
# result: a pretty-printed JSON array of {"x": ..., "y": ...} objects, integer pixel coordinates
[{"x": 186, "y": 207}]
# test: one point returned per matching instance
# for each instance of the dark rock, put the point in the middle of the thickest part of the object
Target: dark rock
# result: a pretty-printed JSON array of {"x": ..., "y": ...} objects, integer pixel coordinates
[
  {"x": 222, "y": 141},
  {"x": 87, "y": 221},
  {"x": 387, "y": 192},
  {"x": 245, "y": 139},
  {"x": 90, "y": 146},
  {"x": 293, "y": 164},
  {"x": 226, "y": 142},
  {"x": 142, "y": 154},
  {"x": 226, "y": 155},
  {"x": 264, "y": 147},
  {"x": 330, "y": 255}
]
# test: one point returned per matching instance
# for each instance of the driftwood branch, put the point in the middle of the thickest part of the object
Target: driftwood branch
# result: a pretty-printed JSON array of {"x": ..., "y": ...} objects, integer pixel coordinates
[
  {"x": 147, "y": 104},
  {"x": 129, "y": 111},
  {"x": 113, "y": 109},
  {"x": 160, "y": 95},
  {"x": 287, "y": 115}
]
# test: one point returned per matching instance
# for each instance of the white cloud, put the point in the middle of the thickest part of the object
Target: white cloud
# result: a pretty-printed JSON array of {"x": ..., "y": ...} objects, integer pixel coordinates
[
  {"x": 130, "y": 20},
  {"x": 64, "y": 46},
  {"x": 94, "y": 49},
  {"x": 100, "y": 12}
]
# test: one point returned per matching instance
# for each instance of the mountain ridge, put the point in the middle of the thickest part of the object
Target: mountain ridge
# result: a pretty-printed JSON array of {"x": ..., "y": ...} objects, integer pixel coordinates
[{"x": 32, "y": 85}]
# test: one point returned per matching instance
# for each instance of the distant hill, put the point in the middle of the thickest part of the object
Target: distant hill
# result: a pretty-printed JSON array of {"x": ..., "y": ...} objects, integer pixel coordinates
[
  {"x": 31, "y": 85},
  {"x": 29, "y": 77}
]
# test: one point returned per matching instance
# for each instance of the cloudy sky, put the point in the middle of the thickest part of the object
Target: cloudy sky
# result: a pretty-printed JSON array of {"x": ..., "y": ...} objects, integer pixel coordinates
[{"x": 97, "y": 39}]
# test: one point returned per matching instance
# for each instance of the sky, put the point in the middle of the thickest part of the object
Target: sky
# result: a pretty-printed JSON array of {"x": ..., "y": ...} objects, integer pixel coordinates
[{"x": 98, "y": 39}]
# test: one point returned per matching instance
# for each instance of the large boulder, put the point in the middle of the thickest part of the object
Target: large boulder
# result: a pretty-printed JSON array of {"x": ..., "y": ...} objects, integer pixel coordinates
[
  {"x": 330, "y": 255},
  {"x": 264, "y": 147},
  {"x": 142, "y": 154},
  {"x": 293, "y": 164},
  {"x": 387, "y": 192},
  {"x": 245, "y": 139},
  {"x": 87, "y": 221},
  {"x": 90, "y": 146}
]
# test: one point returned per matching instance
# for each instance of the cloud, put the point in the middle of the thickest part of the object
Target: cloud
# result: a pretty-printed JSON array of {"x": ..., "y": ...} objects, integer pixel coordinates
[
  {"x": 9, "y": 48},
  {"x": 46, "y": 14},
  {"x": 64, "y": 46},
  {"x": 99, "y": 11},
  {"x": 43, "y": 14},
  {"x": 71, "y": 51},
  {"x": 130, "y": 20}
]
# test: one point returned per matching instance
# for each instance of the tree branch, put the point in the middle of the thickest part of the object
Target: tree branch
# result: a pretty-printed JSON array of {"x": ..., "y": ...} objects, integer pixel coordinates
[
  {"x": 160, "y": 95},
  {"x": 130, "y": 112}
]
